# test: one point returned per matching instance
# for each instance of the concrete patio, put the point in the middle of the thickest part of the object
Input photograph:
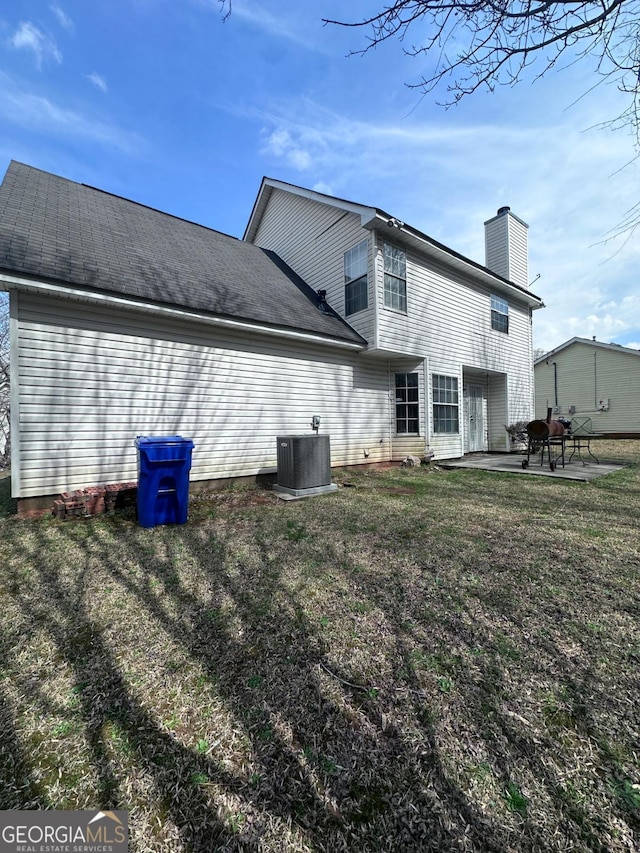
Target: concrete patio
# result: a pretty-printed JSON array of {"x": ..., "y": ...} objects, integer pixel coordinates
[{"x": 511, "y": 463}]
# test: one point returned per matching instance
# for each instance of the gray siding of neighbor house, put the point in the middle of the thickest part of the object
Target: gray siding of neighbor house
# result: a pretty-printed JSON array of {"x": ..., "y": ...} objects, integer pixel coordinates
[
  {"x": 585, "y": 374},
  {"x": 90, "y": 379}
]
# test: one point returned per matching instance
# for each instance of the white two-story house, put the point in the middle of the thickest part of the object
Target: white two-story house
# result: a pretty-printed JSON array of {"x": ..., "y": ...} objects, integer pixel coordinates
[
  {"x": 455, "y": 337},
  {"x": 128, "y": 321}
]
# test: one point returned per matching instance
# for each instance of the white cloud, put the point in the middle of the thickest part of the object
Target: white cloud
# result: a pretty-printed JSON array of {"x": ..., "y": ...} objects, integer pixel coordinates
[
  {"x": 29, "y": 37},
  {"x": 280, "y": 144},
  {"x": 63, "y": 19},
  {"x": 446, "y": 178},
  {"x": 98, "y": 81},
  {"x": 37, "y": 113}
]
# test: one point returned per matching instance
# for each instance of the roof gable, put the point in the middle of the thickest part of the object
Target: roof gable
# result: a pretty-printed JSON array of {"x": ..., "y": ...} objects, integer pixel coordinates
[
  {"x": 269, "y": 184},
  {"x": 374, "y": 217},
  {"x": 64, "y": 232},
  {"x": 589, "y": 343}
]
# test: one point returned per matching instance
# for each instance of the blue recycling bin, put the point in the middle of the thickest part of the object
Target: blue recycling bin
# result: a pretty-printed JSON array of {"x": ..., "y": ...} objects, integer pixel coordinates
[{"x": 164, "y": 463}]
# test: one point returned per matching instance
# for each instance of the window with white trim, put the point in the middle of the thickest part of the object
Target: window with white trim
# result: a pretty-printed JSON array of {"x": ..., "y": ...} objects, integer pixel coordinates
[
  {"x": 407, "y": 404},
  {"x": 395, "y": 278},
  {"x": 356, "y": 264},
  {"x": 499, "y": 314},
  {"x": 445, "y": 404}
]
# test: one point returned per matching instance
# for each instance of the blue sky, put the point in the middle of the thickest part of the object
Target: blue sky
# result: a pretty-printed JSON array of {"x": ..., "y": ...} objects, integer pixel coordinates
[{"x": 164, "y": 102}]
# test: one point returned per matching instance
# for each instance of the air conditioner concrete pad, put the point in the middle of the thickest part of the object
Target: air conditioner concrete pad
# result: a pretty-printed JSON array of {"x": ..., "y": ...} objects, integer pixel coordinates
[{"x": 287, "y": 494}]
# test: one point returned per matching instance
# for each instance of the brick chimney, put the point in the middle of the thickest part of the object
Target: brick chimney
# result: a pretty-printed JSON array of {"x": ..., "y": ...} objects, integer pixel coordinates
[{"x": 506, "y": 246}]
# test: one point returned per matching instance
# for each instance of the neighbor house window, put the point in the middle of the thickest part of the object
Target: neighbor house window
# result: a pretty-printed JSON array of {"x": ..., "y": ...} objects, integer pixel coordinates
[
  {"x": 499, "y": 314},
  {"x": 407, "y": 404},
  {"x": 395, "y": 278},
  {"x": 445, "y": 404},
  {"x": 356, "y": 263}
]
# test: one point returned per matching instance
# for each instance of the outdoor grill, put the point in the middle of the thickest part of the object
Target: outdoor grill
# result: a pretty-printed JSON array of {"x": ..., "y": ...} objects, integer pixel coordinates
[{"x": 549, "y": 436}]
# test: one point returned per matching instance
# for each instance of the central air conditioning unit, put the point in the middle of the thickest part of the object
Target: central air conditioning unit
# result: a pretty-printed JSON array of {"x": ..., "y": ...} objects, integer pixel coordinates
[{"x": 304, "y": 465}]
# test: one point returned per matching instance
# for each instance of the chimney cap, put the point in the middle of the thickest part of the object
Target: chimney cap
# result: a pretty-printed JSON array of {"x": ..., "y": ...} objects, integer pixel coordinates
[{"x": 503, "y": 210}]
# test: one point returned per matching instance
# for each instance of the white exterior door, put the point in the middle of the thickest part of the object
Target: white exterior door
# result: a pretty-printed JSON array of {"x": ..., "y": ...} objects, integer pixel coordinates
[{"x": 474, "y": 410}]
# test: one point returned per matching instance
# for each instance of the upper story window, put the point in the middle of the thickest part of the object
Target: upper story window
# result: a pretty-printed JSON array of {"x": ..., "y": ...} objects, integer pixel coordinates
[
  {"x": 445, "y": 404},
  {"x": 395, "y": 278},
  {"x": 356, "y": 264},
  {"x": 407, "y": 404},
  {"x": 499, "y": 314}
]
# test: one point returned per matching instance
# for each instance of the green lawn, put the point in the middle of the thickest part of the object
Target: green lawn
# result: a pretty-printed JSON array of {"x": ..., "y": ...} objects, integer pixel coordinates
[{"x": 424, "y": 660}]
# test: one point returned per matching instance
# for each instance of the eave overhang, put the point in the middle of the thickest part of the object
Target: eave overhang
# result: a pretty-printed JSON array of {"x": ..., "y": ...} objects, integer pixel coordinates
[
  {"x": 9, "y": 281},
  {"x": 425, "y": 245}
]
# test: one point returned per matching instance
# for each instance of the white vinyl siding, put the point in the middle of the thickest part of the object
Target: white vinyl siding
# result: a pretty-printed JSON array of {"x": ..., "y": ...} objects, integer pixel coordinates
[
  {"x": 586, "y": 374},
  {"x": 448, "y": 313},
  {"x": 91, "y": 380},
  {"x": 312, "y": 238},
  {"x": 449, "y": 322},
  {"x": 506, "y": 248},
  {"x": 498, "y": 411}
]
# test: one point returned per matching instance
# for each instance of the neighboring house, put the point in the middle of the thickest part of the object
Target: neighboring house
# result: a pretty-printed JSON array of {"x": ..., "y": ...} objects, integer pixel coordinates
[
  {"x": 593, "y": 383},
  {"x": 126, "y": 321}
]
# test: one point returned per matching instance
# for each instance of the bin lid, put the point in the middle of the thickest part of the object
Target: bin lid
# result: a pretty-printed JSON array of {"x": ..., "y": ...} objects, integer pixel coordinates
[{"x": 145, "y": 440}]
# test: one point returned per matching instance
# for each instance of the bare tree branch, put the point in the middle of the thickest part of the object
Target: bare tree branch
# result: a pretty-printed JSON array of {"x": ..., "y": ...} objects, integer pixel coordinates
[
  {"x": 495, "y": 41},
  {"x": 225, "y": 8}
]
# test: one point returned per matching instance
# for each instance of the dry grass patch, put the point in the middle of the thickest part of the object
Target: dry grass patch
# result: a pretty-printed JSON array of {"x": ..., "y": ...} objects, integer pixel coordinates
[{"x": 426, "y": 660}]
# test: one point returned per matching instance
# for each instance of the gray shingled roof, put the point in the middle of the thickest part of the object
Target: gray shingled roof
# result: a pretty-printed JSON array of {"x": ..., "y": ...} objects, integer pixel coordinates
[{"x": 71, "y": 234}]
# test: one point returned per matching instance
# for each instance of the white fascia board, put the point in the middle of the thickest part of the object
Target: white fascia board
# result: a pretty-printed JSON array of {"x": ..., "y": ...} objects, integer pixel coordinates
[
  {"x": 361, "y": 210},
  {"x": 448, "y": 258},
  {"x": 9, "y": 282}
]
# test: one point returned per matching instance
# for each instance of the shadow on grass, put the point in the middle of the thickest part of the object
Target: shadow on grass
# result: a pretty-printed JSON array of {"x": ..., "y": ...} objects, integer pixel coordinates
[
  {"x": 307, "y": 761},
  {"x": 319, "y": 768}
]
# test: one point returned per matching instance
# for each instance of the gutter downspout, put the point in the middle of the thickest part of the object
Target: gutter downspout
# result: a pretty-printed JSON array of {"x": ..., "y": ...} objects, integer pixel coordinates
[{"x": 392, "y": 409}]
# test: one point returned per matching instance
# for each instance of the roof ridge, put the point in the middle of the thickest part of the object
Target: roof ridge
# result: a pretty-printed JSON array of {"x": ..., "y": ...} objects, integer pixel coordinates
[
  {"x": 121, "y": 198},
  {"x": 149, "y": 207}
]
